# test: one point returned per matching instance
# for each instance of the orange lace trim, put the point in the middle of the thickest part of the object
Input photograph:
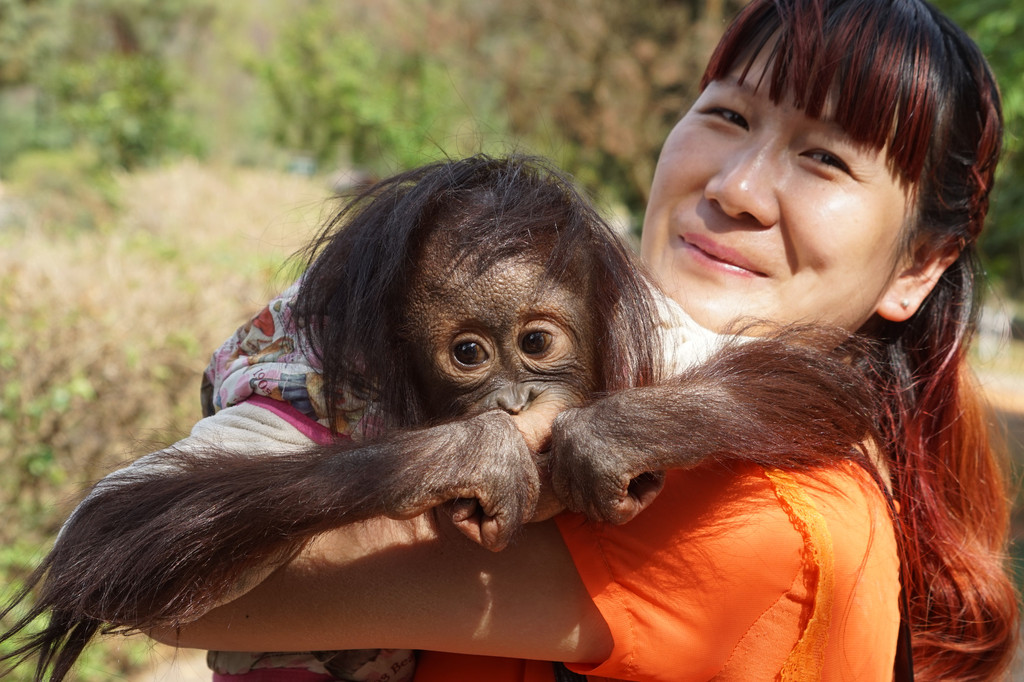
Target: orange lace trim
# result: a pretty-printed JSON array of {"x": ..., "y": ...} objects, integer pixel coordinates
[{"x": 806, "y": 660}]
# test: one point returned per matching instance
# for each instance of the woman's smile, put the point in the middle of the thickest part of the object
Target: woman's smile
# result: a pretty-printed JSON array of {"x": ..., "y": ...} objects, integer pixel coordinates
[{"x": 708, "y": 253}]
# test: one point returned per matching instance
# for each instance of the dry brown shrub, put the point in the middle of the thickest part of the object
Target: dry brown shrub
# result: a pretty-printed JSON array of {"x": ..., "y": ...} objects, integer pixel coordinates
[{"x": 104, "y": 334}]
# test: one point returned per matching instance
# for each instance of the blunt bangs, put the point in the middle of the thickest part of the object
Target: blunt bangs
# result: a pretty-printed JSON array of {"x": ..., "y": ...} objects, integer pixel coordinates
[{"x": 875, "y": 71}]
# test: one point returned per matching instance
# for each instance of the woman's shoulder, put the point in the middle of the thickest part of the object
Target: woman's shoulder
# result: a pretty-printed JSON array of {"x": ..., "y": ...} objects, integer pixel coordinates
[{"x": 734, "y": 566}]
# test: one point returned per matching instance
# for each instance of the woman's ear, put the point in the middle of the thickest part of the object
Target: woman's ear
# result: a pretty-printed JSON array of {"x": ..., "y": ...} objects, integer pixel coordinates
[{"x": 913, "y": 281}]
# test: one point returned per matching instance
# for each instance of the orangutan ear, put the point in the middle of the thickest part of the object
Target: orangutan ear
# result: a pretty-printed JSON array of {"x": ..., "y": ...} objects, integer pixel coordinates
[{"x": 914, "y": 280}]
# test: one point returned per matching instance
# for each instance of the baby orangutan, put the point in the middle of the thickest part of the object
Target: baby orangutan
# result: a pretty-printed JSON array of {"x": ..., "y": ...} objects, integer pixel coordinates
[{"x": 451, "y": 297}]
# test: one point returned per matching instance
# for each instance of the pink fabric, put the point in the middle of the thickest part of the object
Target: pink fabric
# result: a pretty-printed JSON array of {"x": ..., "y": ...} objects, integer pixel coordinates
[{"x": 315, "y": 431}]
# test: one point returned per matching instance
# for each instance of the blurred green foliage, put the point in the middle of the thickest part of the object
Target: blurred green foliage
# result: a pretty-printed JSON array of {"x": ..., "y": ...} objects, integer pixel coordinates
[
  {"x": 61, "y": 189},
  {"x": 113, "y": 290},
  {"x": 383, "y": 85},
  {"x": 101, "y": 72},
  {"x": 123, "y": 105},
  {"x": 342, "y": 96},
  {"x": 998, "y": 28}
]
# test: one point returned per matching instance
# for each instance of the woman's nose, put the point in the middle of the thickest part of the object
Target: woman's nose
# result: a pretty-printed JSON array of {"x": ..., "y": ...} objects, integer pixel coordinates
[{"x": 746, "y": 187}]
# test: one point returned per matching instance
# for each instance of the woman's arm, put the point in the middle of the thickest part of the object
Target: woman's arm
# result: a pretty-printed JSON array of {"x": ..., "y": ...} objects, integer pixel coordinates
[
  {"x": 414, "y": 584},
  {"x": 724, "y": 569}
]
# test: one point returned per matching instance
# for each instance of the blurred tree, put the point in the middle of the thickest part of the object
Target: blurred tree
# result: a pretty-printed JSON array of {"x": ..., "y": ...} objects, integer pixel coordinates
[
  {"x": 594, "y": 83},
  {"x": 116, "y": 77},
  {"x": 611, "y": 76},
  {"x": 386, "y": 84},
  {"x": 358, "y": 83},
  {"x": 25, "y": 37},
  {"x": 102, "y": 72}
]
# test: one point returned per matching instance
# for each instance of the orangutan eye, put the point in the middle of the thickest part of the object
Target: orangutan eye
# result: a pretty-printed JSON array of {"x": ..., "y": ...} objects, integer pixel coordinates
[
  {"x": 535, "y": 343},
  {"x": 469, "y": 354}
]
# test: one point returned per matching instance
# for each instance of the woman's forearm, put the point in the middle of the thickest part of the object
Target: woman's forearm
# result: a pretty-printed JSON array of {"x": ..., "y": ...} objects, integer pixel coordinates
[{"x": 404, "y": 584}]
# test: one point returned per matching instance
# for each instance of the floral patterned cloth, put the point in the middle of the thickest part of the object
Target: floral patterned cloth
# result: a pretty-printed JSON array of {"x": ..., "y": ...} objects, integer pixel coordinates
[{"x": 271, "y": 356}]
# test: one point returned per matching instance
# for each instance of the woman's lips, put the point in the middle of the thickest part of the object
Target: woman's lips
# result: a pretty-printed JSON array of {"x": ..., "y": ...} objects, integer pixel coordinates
[{"x": 720, "y": 256}]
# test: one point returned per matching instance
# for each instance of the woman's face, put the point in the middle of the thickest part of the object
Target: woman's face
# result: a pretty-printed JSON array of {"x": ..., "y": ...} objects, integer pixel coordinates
[{"x": 758, "y": 211}]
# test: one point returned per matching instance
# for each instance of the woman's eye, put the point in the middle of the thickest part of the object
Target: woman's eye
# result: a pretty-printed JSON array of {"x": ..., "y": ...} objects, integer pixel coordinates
[
  {"x": 535, "y": 343},
  {"x": 822, "y": 156},
  {"x": 730, "y": 116},
  {"x": 469, "y": 354}
]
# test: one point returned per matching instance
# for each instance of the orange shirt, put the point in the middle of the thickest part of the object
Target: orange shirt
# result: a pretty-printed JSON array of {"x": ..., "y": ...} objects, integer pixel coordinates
[{"x": 733, "y": 573}]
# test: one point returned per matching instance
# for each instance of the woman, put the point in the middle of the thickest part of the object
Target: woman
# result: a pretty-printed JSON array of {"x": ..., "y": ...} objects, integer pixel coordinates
[{"x": 835, "y": 169}]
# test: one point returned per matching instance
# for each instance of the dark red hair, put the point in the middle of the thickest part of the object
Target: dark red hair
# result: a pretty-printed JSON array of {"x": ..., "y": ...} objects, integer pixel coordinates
[{"x": 898, "y": 75}]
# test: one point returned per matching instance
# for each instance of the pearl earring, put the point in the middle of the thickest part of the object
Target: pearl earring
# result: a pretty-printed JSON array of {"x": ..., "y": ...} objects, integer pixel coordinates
[{"x": 904, "y": 303}]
